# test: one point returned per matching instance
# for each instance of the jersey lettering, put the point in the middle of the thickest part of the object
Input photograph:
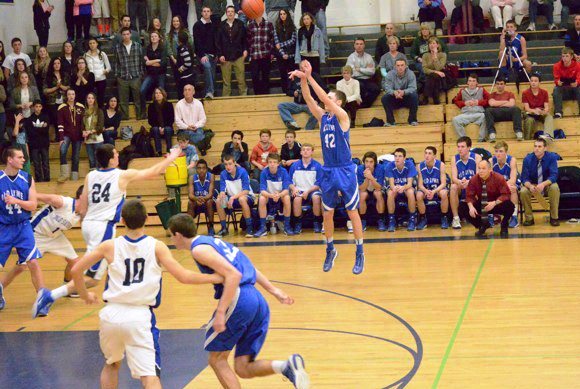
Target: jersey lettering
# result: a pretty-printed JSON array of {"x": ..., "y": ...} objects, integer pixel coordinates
[
  {"x": 97, "y": 194},
  {"x": 13, "y": 207},
  {"x": 138, "y": 271},
  {"x": 230, "y": 252},
  {"x": 329, "y": 141}
]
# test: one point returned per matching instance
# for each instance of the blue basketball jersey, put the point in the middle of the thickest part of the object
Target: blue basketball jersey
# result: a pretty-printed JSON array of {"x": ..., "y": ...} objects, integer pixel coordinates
[
  {"x": 517, "y": 46},
  {"x": 465, "y": 170},
  {"x": 201, "y": 189},
  {"x": 335, "y": 142},
  {"x": 401, "y": 176},
  {"x": 238, "y": 259},
  {"x": 17, "y": 187},
  {"x": 506, "y": 170},
  {"x": 431, "y": 176}
]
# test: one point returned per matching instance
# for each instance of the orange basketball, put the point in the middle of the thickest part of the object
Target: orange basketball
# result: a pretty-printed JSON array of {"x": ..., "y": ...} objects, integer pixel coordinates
[{"x": 253, "y": 9}]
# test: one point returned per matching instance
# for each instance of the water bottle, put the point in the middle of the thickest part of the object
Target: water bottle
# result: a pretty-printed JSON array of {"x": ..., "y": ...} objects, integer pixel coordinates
[
  {"x": 273, "y": 229},
  {"x": 224, "y": 203}
]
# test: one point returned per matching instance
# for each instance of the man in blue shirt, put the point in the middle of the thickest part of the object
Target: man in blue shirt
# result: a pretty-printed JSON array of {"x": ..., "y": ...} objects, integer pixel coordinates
[
  {"x": 371, "y": 178},
  {"x": 401, "y": 174},
  {"x": 540, "y": 176},
  {"x": 274, "y": 183}
]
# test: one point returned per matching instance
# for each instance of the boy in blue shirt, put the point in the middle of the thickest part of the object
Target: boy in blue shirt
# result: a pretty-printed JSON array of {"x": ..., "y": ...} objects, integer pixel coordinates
[
  {"x": 370, "y": 178},
  {"x": 401, "y": 174},
  {"x": 191, "y": 156},
  {"x": 274, "y": 183},
  {"x": 201, "y": 187}
]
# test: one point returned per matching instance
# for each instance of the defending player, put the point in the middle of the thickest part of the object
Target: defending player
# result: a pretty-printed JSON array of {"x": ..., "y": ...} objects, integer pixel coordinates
[{"x": 338, "y": 175}]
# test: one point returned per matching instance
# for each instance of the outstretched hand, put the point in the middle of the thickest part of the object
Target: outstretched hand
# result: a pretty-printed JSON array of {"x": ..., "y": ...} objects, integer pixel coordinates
[
  {"x": 296, "y": 74},
  {"x": 306, "y": 67},
  {"x": 283, "y": 297}
]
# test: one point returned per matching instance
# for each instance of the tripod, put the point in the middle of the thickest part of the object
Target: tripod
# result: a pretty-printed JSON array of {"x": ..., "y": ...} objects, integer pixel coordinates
[{"x": 507, "y": 49}]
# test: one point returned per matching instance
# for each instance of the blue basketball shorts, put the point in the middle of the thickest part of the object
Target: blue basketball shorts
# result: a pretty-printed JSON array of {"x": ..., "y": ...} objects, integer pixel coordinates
[
  {"x": 250, "y": 199},
  {"x": 336, "y": 182},
  {"x": 21, "y": 237}
]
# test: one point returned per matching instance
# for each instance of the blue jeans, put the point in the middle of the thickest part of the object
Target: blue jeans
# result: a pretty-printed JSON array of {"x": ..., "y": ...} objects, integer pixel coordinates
[
  {"x": 194, "y": 136},
  {"x": 287, "y": 109},
  {"x": 209, "y": 74},
  {"x": 150, "y": 82},
  {"x": 91, "y": 149},
  {"x": 321, "y": 23},
  {"x": 546, "y": 9},
  {"x": 409, "y": 100},
  {"x": 76, "y": 152},
  {"x": 2, "y": 126},
  {"x": 157, "y": 136},
  {"x": 109, "y": 137}
]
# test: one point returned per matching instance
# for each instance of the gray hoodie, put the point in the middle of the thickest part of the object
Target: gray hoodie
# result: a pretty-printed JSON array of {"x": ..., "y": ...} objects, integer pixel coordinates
[{"x": 407, "y": 82}]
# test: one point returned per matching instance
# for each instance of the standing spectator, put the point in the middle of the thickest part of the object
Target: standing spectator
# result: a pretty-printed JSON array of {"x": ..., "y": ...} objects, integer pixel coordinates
[
  {"x": 8, "y": 63},
  {"x": 310, "y": 45},
  {"x": 158, "y": 9},
  {"x": 541, "y": 7},
  {"x": 260, "y": 36},
  {"x": 502, "y": 11},
  {"x": 274, "y": 7},
  {"x": 24, "y": 95},
  {"x": 2, "y": 58},
  {"x": 540, "y": 177},
  {"x": 112, "y": 121},
  {"x": 472, "y": 101},
  {"x": 387, "y": 61},
  {"x": 70, "y": 131},
  {"x": 190, "y": 116},
  {"x": 154, "y": 26},
  {"x": 160, "y": 115},
  {"x": 118, "y": 10},
  {"x": 38, "y": 141},
  {"x": 82, "y": 13},
  {"x": 155, "y": 67},
  {"x": 231, "y": 50},
  {"x": 218, "y": 9},
  {"x": 537, "y": 108},
  {"x": 129, "y": 69},
  {"x": 69, "y": 19},
  {"x": 430, "y": 11},
  {"x": 421, "y": 46},
  {"x": 351, "y": 89},
  {"x": 363, "y": 66},
  {"x": 317, "y": 8},
  {"x": 3, "y": 99},
  {"x": 517, "y": 44},
  {"x": 125, "y": 22},
  {"x": 40, "y": 68},
  {"x": 18, "y": 139},
  {"x": 83, "y": 81},
  {"x": 204, "y": 34},
  {"x": 238, "y": 149},
  {"x": 434, "y": 63},
  {"x": 371, "y": 178},
  {"x": 138, "y": 13},
  {"x": 19, "y": 68},
  {"x": 401, "y": 91},
  {"x": 68, "y": 58},
  {"x": 102, "y": 14},
  {"x": 260, "y": 152},
  {"x": 93, "y": 125},
  {"x": 572, "y": 37},
  {"x": 475, "y": 19},
  {"x": 42, "y": 11},
  {"x": 568, "y": 7},
  {"x": 180, "y": 8},
  {"x": 567, "y": 79},
  {"x": 186, "y": 75},
  {"x": 382, "y": 45},
  {"x": 54, "y": 89},
  {"x": 502, "y": 108},
  {"x": 177, "y": 27},
  {"x": 286, "y": 46},
  {"x": 98, "y": 64},
  {"x": 290, "y": 151}
]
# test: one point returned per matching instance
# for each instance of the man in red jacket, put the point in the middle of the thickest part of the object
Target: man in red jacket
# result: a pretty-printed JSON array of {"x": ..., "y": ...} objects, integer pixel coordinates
[{"x": 567, "y": 79}]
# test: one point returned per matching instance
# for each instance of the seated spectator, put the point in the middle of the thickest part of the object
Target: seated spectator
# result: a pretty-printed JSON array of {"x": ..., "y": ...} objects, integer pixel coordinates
[
  {"x": 351, "y": 89},
  {"x": 433, "y": 185},
  {"x": 8, "y": 63},
  {"x": 537, "y": 109},
  {"x": 567, "y": 79},
  {"x": 430, "y": 11},
  {"x": 434, "y": 63},
  {"x": 23, "y": 95},
  {"x": 287, "y": 109},
  {"x": 235, "y": 192},
  {"x": 502, "y": 108},
  {"x": 238, "y": 150},
  {"x": 40, "y": 68},
  {"x": 568, "y": 7},
  {"x": 125, "y": 22},
  {"x": 304, "y": 174},
  {"x": 184, "y": 64},
  {"x": 68, "y": 58},
  {"x": 502, "y": 11},
  {"x": 317, "y": 9},
  {"x": 190, "y": 152},
  {"x": 463, "y": 167},
  {"x": 82, "y": 81},
  {"x": 259, "y": 156},
  {"x": 161, "y": 115},
  {"x": 93, "y": 125},
  {"x": 540, "y": 178},
  {"x": 274, "y": 194},
  {"x": 19, "y": 68},
  {"x": 400, "y": 175},
  {"x": 506, "y": 165},
  {"x": 204, "y": 34},
  {"x": 190, "y": 116},
  {"x": 98, "y": 64},
  {"x": 70, "y": 131},
  {"x": 155, "y": 68},
  {"x": 201, "y": 188},
  {"x": 421, "y": 46},
  {"x": 401, "y": 91},
  {"x": 129, "y": 68},
  {"x": 472, "y": 101},
  {"x": 231, "y": 45},
  {"x": 476, "y": 16},
  {"x": 541, "y": 7},
  {"x": 112, "y": 121},
  {"x": 487, "y": 192},
  {"x": 260, "y": 36},
  {"x": 56, "y": 84},
  {"x": 572, "y": 37},
  {"x": 290, "y": 150},
  {"x": 371, "y": 177},
  {"x": 36, "y": 127},
  {"x": 363, "y": 66},
  {"x": 518, "y": 51},
  {"x": 382, "y": 45},
  {"x": 388, "y": 60},
  {"x": 286, "y": 46},
  {"x": 310, "y": 44}
]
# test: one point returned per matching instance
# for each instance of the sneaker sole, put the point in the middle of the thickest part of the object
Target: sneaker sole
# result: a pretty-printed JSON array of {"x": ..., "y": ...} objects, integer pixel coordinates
[
  {"x": 331, "y": 262},
  {"x": 299, "y": 370}
]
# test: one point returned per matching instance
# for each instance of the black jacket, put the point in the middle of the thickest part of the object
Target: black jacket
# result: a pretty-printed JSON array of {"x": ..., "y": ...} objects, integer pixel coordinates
[
  {"x": 313, "y": 6},
  {"x": 572, "y": 40},
  {"x": 204, "y": 35},
  {"x": 40, "y": 18},
  {"x": 37, "y": 137},
  {"x": 228, "y": 147},
  {"x": 231, "y": 42},
  {"x": 166, "y": 118}
]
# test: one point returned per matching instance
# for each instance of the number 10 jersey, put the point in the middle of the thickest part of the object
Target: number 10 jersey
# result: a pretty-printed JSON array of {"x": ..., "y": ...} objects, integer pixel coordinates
[{"x": 105, "y": 197}]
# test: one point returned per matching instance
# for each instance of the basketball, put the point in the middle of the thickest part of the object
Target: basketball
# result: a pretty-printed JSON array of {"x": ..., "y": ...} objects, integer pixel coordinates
[{"x": 253, "y": 9}]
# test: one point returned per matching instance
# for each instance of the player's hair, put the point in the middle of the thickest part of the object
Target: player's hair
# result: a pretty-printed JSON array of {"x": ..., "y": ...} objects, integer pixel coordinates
[
  {"x": 184, "y": 224},
  {"x": 432, "y": 148},
  {"x": 474, "y": 76},
  {"x": 347, "y": 69},
  {"x": 308, "y": 145},
  {"x": 134, "y": 214},
  {"x": 237, "y": 132},
  {"x": 266, "y": 131},
  {"x": 372, "y": 155},
  {"x": 339, "y": 96},
  {"x": 290, "y": 132},
  {"x": 401, "y": 150},
  {"x": 501, "y": 144},
  {"x": 79, "y": 192},
  {"x": 567, "y": 50},
  {"x": 228, "y": 157},
  {"x": 201, "y": 162},
  {"x": 274, "y": 156},
  {"x": 104, "y": 154},
  {"x": 184, "y": 136},
  {"x": 541, "y": 140},
  {"x": 464, "y": 139},
  {"x": 9, "y": 153}
]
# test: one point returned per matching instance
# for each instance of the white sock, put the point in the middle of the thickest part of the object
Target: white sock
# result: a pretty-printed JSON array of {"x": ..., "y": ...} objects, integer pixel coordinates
[
  {"x": 59, "y": 292},
  {"x": 455, "y": 217},
  {"x": 279, "y": 366},
  {"x": 515, "y": 210}
]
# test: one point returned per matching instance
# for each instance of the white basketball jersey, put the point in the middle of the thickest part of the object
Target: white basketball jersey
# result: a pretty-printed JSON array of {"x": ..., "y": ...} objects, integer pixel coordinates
[
  {"x": 105, "y": 197},
  {"x": 48, "y": 221},
  {"x": 134, "y": 275}
]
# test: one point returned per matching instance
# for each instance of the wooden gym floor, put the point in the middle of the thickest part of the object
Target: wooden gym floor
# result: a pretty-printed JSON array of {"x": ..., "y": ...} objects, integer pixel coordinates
[{"x": 433, "y": 309}]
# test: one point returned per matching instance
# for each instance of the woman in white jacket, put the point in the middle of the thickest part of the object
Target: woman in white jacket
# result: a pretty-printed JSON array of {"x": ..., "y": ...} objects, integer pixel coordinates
[
  {"x": 98, "y": 64},
  {"x": 501, "y": 6}
]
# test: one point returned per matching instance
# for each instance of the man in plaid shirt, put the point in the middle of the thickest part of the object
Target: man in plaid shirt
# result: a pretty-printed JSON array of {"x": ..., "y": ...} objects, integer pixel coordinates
[
  {"x": 261, "y": 41},
  {"x": 129, "y": 69}
]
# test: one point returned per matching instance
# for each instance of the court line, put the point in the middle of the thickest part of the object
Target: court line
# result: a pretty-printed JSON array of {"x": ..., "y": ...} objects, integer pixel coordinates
[
  {"x": 461, "y": 317},
  {"x": 65, "y": 328}
]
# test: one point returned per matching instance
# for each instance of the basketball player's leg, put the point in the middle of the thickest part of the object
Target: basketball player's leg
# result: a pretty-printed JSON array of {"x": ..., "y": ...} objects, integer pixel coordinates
[
  {"x": 28, "y": 254},
  {"x": 316, "y": 198},
  {"x": 391, "y": 198},
  {"x": 454, "y": 199},
  {"x": 218, "y": 361},
  {"x": 209, "y": 213},
  {"x": 110, "y": 375},
  {"x": 349, "y": 189},
  {"x": 444, "y": 197},
  {"x": 420, "y": 198}
]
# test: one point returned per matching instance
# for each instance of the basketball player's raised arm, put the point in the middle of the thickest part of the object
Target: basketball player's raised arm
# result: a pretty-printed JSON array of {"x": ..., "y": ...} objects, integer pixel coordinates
[
  {"x": 104, "y": 250},
  {"x": 50, "y": 199},
  {"x": 180, "y": 273},
  {"x": 154, "y": 171},
  {"x": 313, "y": 106},
  {"x": 265, "y": 283}
]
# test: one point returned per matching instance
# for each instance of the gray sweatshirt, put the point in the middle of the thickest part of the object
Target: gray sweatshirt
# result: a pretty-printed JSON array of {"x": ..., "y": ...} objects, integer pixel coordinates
[{"x": 407, "y": 82}]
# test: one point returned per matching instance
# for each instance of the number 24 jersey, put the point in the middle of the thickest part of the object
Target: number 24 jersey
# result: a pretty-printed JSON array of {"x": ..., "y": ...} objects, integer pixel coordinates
[{"x": 105, "y": 197}]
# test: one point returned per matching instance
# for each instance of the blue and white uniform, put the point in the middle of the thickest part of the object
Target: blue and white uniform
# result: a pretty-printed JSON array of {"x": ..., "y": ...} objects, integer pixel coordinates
[
  {"x": 378, "y": 174},
  {"x": 15, "y": 228},
  {"x": 505, "y": 170},
  {"x": 338, "y": 175},
  {"x": 274, "y": 183},
  {"x": 431, "y": 176},
  {"x": 305, "y": 177},
  {"x": 517, "y": 46},
  {"x": 127, "y": 322},
  {"x": 201, "y": 188},
  {"x": 248, "y": 315},
  {"x": 231, "y": 186},
  {"x": 400, "y": 176},
  {"x": 465, "y": 169}
]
